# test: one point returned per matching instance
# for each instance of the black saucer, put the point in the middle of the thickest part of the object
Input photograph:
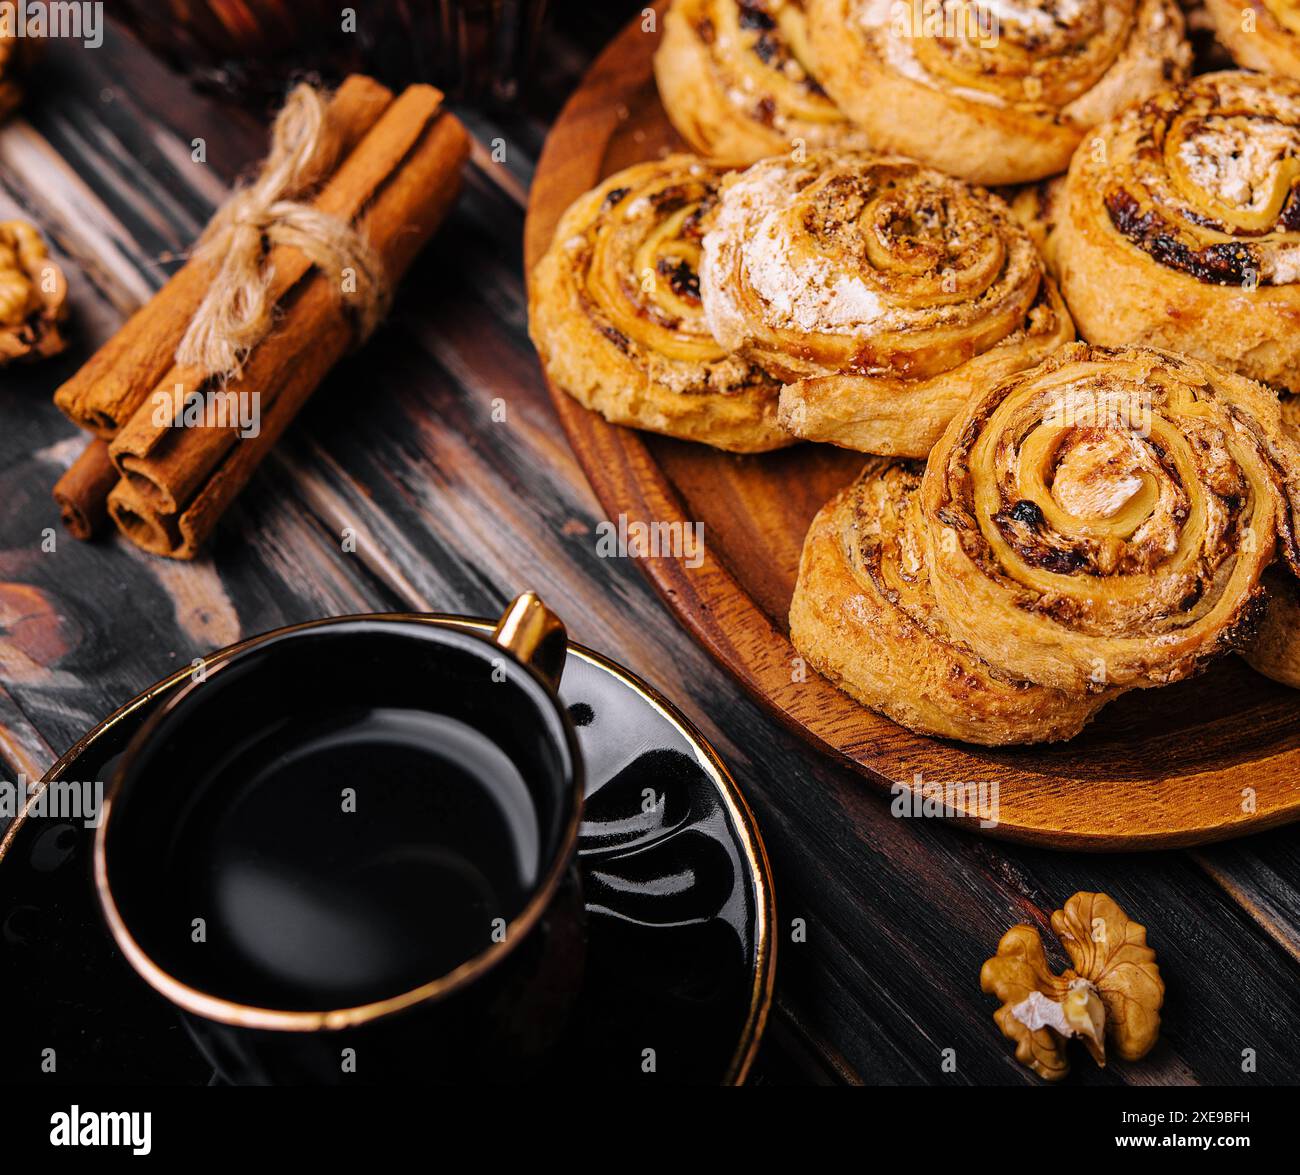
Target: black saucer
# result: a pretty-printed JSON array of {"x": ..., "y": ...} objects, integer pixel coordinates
[{"x": 679, "y": 904}]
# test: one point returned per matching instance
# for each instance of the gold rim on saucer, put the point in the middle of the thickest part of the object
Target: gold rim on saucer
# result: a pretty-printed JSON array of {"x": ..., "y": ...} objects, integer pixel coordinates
[{"x": 742, "y": 820}]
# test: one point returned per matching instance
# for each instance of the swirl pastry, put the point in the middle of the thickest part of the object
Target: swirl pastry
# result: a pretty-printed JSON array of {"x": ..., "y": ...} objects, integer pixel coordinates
[
  {"x": 1260, "y": 34},
  {"x": 864, "y": 615},
  {"x": 738, "y": 81},
  {"x": 1181, "y": 226},
  {"x": 1107, "y": 517},
  {"x": 883, "y": 293},
  {"x": 615, "y": 313},
  {"x": 998, "y": 93}
]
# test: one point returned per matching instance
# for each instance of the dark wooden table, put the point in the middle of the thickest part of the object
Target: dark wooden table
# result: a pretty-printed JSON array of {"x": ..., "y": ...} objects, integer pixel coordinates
[{"x": 456, "y": 511}]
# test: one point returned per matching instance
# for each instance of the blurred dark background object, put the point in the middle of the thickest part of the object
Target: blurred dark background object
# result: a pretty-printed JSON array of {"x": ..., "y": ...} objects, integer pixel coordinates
[{"x": 477, "y": 50}]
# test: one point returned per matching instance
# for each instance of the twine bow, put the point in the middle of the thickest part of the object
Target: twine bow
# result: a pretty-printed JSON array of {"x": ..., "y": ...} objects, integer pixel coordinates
[{"x": 237, "y": 312}]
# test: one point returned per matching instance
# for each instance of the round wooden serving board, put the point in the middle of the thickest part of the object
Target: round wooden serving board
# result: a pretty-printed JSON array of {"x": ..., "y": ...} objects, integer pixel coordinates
[{"x": 1208, "y": 759}]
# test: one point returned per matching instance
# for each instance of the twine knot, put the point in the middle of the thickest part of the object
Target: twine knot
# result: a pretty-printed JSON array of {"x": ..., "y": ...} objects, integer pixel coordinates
[{"x": 237, "y": 312}]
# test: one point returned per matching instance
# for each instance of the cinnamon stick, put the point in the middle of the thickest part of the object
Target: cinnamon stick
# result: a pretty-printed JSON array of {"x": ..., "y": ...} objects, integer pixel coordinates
[
  {"x": 82, "y": 492},
  {"x": 179, "y": 480},
  {"x": 166, "y": 466},
  {"x": 117, "y": 378}
]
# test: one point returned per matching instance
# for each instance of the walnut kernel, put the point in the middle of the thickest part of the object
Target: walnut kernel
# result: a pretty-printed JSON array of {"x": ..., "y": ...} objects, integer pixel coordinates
[
  {"x": 33, "y": 295},
  {"x": 1112, "y": 994}
]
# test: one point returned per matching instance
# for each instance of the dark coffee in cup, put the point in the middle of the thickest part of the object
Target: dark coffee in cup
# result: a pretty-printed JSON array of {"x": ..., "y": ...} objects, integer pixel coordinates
[
  {"x": 360, "y": 852},
  {"x": 360, "y": 828}
]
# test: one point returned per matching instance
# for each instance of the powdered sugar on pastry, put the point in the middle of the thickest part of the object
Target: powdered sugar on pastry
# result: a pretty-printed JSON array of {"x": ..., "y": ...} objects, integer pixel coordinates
[
  {"x": 1033, "y": 14},
  {"x": 1283, "y": 269},
  {"x": 799, "y": 291},
  {"x": 860, "y": 266},
  {"x": 742, "y": 195},
  {"x": 805, "y": 292},
  {"x": 1237, "y": 166}
]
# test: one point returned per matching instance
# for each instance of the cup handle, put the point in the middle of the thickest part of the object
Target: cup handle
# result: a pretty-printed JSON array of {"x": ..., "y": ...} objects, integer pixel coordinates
[{"x": 534, "y": 634}]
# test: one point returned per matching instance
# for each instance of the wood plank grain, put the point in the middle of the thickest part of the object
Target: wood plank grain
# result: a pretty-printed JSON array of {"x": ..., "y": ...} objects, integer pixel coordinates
[
  {"x": 455, "y": 509},
  {"x": 1262, "y": 875},
  {"x": 901, "y": 913}
]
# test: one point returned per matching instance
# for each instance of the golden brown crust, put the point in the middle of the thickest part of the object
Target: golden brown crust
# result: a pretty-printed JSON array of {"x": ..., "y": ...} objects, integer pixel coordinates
[
  {"x": 1275, "y": 651},
  {"x": 883, "y": 292},
  {"x": 864, "y": 616},
  {"x": 738, "y": 82},
  {"x": 1037, "y": 209},
  {"x": 906, "y": 417},
  {"x": 1107, "y": 516},
  {"x": 996, "y": 103},
  {"x": 1260, "y": 34},
  {"x": 615, "y": 314},
  {"x": 1181, "y": 226}
]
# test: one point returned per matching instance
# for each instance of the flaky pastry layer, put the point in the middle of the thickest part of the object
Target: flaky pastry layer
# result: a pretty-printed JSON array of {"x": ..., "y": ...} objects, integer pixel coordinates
[
  {"x": 882, "y": 292},
  {"x": 1180, "y": 226},
  {"x": 1260, "y": 34},
  {"x": 997, "y": 94},
  {"x": 615, "y": 313},
  {"x": 738, "y": 81},
  {"x": 864, "y": 616},
  {"x": 1106, "y": 518}
]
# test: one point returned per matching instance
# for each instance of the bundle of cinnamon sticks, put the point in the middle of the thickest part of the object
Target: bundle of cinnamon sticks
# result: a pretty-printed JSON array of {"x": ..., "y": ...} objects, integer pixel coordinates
[{"x": 175, "y": 444}]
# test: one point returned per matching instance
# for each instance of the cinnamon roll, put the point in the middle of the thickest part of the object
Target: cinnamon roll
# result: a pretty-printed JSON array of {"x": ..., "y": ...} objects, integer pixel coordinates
[
  {"x": 616, "y": 317},
  {"x": 738, "y": 81},
  {"x": 998, "y": 93},
  {"x": 864, "y": 616},
  {"x": 1107, "y": 516},
  {"x": 1181, "y": 226},
  {"x": 1260, "y": 34},
  {"x": 881, "y": 292}
]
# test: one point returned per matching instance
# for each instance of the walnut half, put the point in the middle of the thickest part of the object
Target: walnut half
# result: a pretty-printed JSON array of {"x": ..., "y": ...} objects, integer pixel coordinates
[
  {"x": 1112, "y": 995},
  {"x": 33, "y": 295}
]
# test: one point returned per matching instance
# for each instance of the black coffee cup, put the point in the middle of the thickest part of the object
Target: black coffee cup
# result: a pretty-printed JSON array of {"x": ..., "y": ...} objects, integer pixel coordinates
[{"x": 346, "y": 852}]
